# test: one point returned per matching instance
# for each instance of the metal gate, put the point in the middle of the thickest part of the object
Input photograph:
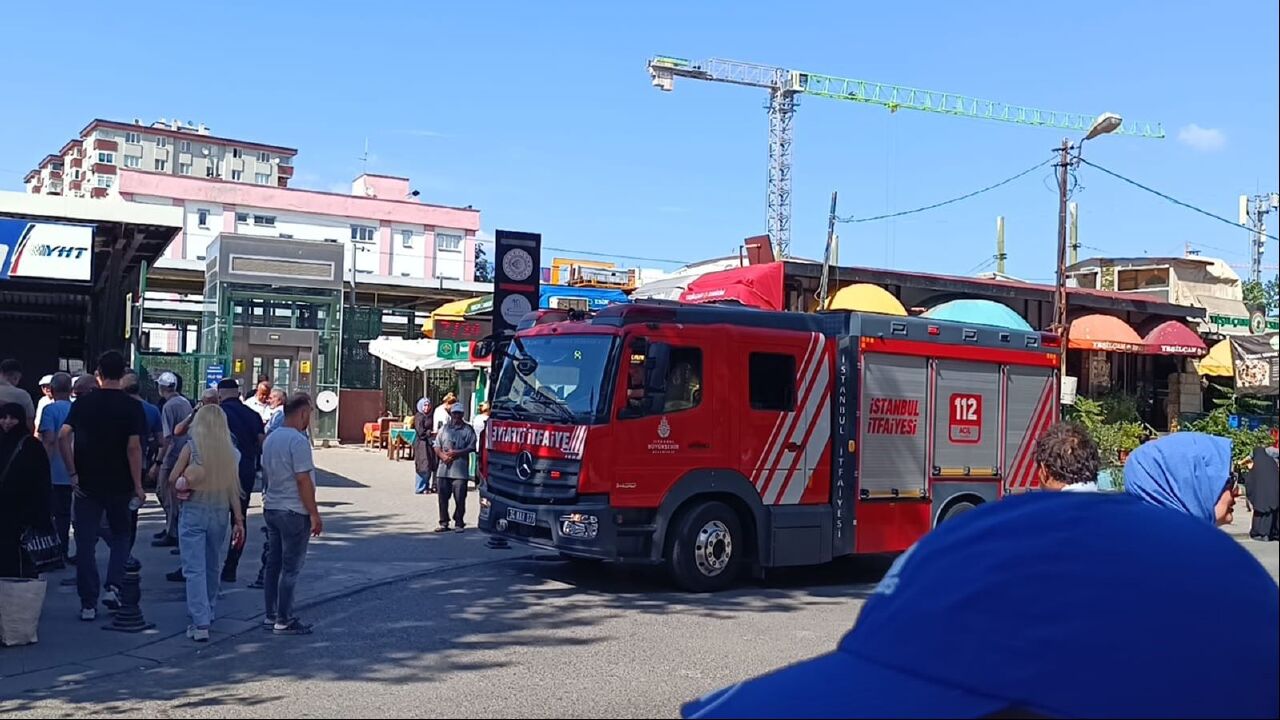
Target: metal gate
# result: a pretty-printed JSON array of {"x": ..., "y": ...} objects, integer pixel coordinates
[{"x": 189, "y": 367}]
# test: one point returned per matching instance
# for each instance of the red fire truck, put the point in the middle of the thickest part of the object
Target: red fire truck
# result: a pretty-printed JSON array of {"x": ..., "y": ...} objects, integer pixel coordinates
[{"x": 715, "y": 439}]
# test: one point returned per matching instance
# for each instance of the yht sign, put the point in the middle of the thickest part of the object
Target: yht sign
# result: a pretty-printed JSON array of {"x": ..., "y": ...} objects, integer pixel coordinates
[{"x": 53, "y": 251}]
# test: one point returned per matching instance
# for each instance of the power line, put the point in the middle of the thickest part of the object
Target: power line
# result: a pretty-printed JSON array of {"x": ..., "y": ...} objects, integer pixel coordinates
[
  {"x": 1173, "y": 200},
  {"x": 966, "y": 196}
]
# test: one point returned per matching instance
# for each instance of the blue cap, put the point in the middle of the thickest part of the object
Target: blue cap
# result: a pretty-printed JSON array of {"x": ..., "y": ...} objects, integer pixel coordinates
[{"x": 1058, "y": 604}]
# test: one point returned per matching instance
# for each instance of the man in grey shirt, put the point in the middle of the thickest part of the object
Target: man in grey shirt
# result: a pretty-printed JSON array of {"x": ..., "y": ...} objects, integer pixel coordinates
[
  {"x": 289, "y": 505},
  {"x": 176, "y": 408},
  {"x": 455, "y": 442}
]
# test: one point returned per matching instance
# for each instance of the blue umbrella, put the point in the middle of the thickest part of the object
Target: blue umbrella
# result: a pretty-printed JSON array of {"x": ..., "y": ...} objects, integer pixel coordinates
[{"x": 978, "y": 312}]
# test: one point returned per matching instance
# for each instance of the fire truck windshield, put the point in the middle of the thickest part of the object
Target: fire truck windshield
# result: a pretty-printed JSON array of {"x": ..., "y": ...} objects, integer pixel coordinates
[{"x": 554, "y": 379}]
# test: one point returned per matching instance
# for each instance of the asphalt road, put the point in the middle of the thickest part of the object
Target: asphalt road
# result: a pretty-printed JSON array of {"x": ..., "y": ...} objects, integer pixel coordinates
[{"x": 525, "y": 638}]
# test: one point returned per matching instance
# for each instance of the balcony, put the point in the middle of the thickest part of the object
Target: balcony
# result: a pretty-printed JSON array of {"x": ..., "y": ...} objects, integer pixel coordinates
[
  {"x": 98, "y": 192},
  {"x": 102, "y": 144},
  {"x": 104, "y": 169},
  {"x": 285, "y": 170},
  {"x": 77, "y": 162}
]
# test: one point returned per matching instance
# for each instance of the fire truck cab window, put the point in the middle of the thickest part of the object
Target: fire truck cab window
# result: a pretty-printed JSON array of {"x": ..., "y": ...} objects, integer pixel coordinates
[
  {"x": 684, "y": 380},
  {"x": 772, "y": 380}
]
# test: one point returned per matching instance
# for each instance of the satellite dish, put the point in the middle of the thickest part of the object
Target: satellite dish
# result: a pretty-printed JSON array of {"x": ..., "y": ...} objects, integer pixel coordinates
[{"x": 327, "y": 401}]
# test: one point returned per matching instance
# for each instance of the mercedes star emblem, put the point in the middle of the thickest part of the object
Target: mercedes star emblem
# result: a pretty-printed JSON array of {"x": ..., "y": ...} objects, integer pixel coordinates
[{"x": 524, "y": 465}]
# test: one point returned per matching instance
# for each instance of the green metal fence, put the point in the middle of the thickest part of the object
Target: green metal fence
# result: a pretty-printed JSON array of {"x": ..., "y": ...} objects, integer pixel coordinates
[{"x": 191, "y": 367}]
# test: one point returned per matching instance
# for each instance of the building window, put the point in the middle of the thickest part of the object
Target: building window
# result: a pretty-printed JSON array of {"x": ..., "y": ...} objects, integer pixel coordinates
[
  {"x": 162, "y": 165},
  {"x": 132, "y": 161},
  {"x": 264, "y": 156},
  {"x": 235, "y": 152},
  {"x": 104, "y": 181},
  {"x": 184, "y": 168},
  {"x": 132, "y": 137},
  {"x": 285, "y": 160},
  {"x": 242, "y": 217},
  {"x": 75, "y": 174},
  {"x": 162, "y": 141},
  {"x": 236, "y": 175},
  {"x": 202, "y": 218},
  {"x": 264, "y": 220},
  {"x": 362, "y": 233},
  {"x": 772, "y": 382},
  {"x": 446, "y": 242},
  {"x": 211, "y": 170},
  {"x": 184, "y": 146},
  {"x": 106, "y": 157},
  {"x": 406, "y": 238},
  {"x": 262, "y": 178}
]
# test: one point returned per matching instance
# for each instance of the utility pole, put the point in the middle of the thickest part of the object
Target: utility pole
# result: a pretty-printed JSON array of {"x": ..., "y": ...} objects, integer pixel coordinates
[
  {"x": 1001, "y": 255},
  {"x": 1074, "y": 211},
  {"x": 1060, "y": 287},
  {"x": 826, "y": 255},
  {"x": 1253, "y": 213}
]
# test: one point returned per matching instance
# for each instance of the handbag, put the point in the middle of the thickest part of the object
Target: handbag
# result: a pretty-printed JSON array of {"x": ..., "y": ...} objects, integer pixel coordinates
[{"x": 42, "y": 547}]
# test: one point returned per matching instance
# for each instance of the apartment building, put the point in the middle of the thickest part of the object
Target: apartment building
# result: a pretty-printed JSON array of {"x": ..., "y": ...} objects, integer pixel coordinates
[{"x": 89, "y": 165}]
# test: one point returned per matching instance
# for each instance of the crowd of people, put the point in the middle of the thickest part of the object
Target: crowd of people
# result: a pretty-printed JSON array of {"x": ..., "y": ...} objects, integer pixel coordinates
[{"x": 73, "y": 466}]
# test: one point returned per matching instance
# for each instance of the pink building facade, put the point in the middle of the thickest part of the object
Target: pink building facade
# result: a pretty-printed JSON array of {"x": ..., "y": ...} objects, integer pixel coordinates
[{"x": 391, "y": 238}]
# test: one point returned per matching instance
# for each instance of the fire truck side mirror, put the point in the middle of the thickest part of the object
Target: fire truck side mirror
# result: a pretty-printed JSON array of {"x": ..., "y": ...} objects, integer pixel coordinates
[{"x": 483, "y": 349}]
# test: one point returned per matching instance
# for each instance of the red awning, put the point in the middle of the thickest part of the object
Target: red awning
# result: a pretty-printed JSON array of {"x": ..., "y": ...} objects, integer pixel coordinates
[
  {"x": 1173, "y": 338},
  {"x": 758, "y": 286},
  {"x": 1103, "y": 333}
]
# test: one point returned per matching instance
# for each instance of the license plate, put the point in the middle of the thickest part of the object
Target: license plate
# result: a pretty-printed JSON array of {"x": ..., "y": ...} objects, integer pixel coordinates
[{"x": 524, "y": 517}]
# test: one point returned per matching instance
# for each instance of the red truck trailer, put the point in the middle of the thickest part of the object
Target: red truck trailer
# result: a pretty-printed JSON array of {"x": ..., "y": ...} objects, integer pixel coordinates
[{"x": 718, "y": 439}]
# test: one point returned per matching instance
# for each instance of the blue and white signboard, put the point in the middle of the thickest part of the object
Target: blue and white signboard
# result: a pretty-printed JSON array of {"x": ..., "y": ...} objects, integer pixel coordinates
[
  {"x": 52, "y": 251},
  {"x": 213, "y": 375}
]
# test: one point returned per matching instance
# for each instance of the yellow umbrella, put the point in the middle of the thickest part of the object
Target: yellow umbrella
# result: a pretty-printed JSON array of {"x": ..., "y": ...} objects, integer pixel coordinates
[
  {"x": 864, "y": 297},
  {"x": 1218, "y": 361}
]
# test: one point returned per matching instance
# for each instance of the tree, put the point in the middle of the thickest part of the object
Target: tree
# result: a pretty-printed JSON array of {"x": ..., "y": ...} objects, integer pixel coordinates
[
  {"x": 484, "y": 268},
  {"x": 1261, "y": 295}
]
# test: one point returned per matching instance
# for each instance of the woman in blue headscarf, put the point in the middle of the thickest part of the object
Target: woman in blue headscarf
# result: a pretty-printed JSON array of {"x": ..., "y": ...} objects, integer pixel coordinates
[{"x": 1189, "y": 472}]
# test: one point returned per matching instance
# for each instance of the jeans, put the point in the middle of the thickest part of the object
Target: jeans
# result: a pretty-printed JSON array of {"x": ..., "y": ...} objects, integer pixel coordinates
[
  {"x": 168, "y": 500},
  {"x": 202, "y": 528},
  {"x": 457, "y": 489},
  {"x": 288, "y": 533},
  {"x": 89, "y": 511},
  {"x": 61, "y": 510},
  {"x": 422, "y": 484},
  {"x": 233, "y": 552}
]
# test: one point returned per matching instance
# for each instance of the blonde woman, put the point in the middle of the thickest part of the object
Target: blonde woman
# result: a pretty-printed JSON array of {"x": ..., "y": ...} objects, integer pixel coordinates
[{"x": 206, "y": 480}]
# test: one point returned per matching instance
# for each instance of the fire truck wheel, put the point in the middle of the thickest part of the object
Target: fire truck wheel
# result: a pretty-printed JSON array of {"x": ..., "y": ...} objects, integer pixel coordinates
[
  {"x": 705, "y": 553},
  {"x": 956, "y": 508}
]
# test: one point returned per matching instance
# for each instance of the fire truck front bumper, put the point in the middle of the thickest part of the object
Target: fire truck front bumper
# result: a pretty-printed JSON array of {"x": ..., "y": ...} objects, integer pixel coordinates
[{"x": 582, "y": 529}]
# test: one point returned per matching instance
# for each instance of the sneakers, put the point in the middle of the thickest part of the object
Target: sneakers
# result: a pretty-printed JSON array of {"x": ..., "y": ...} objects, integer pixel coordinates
[
  {"x": 441, "y": 529},
  {"x": 175, "y": 576},
  {"x": 268, "y": 623},
  {"x": 88, "y": 614},
  {"x": 111, "y": 597},
  {"x": 460, "y": 528},
  {"x": 293, "y": 627},
  {"x": 198, "y": 634}
]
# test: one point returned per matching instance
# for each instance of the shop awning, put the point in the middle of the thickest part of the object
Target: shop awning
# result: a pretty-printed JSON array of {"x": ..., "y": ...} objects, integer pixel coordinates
[
  {"x": 458, "y": 310},
  {"x": 1104, "y": 333},
  {"x": 979, "y": 312},
  {"x": 1173, "y": 338},
  {"x": 417, "y": 355},
  {"x": 758, "y": 286},
  {"x": 865, "y": 297},
  {"x": 1218, "y": 361}
]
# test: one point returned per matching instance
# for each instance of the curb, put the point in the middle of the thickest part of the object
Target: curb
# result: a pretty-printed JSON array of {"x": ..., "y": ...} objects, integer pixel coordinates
[{"x": 81, "y": 666}]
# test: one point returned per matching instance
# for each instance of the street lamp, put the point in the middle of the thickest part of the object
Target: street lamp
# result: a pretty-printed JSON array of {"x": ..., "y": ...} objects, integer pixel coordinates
[{"x": 1104, "y": 124}]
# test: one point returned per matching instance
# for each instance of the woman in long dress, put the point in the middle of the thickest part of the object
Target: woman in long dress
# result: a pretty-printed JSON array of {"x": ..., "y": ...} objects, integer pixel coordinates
[
  {"x": 25, "y": 490},
  {"x": 1263, "y": 490}
]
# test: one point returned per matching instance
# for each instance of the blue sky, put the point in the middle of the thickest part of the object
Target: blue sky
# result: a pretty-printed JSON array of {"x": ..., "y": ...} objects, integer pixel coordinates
[{"x": 542, "y": 115}]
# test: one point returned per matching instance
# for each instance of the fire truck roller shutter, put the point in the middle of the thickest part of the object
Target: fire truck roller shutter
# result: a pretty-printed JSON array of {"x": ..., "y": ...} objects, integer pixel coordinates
[
  {"x": 891, "y": 452},
  {"x": 966, "y": 426},
  {"x": 728, "y": 486},
  {"x": 1031, "y": 403}
]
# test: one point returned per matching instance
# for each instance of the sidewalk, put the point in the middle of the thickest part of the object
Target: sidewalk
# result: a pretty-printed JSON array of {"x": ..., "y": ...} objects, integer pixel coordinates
[{"x": 376, "y": 531}]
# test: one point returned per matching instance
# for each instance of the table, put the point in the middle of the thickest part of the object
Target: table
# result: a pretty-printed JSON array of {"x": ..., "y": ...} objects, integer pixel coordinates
[{"x": 399, "y": 440}]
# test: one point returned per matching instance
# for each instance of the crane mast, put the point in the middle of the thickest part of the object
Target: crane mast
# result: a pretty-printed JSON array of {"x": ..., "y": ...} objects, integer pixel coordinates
[{"x": 785, "y": 86}]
